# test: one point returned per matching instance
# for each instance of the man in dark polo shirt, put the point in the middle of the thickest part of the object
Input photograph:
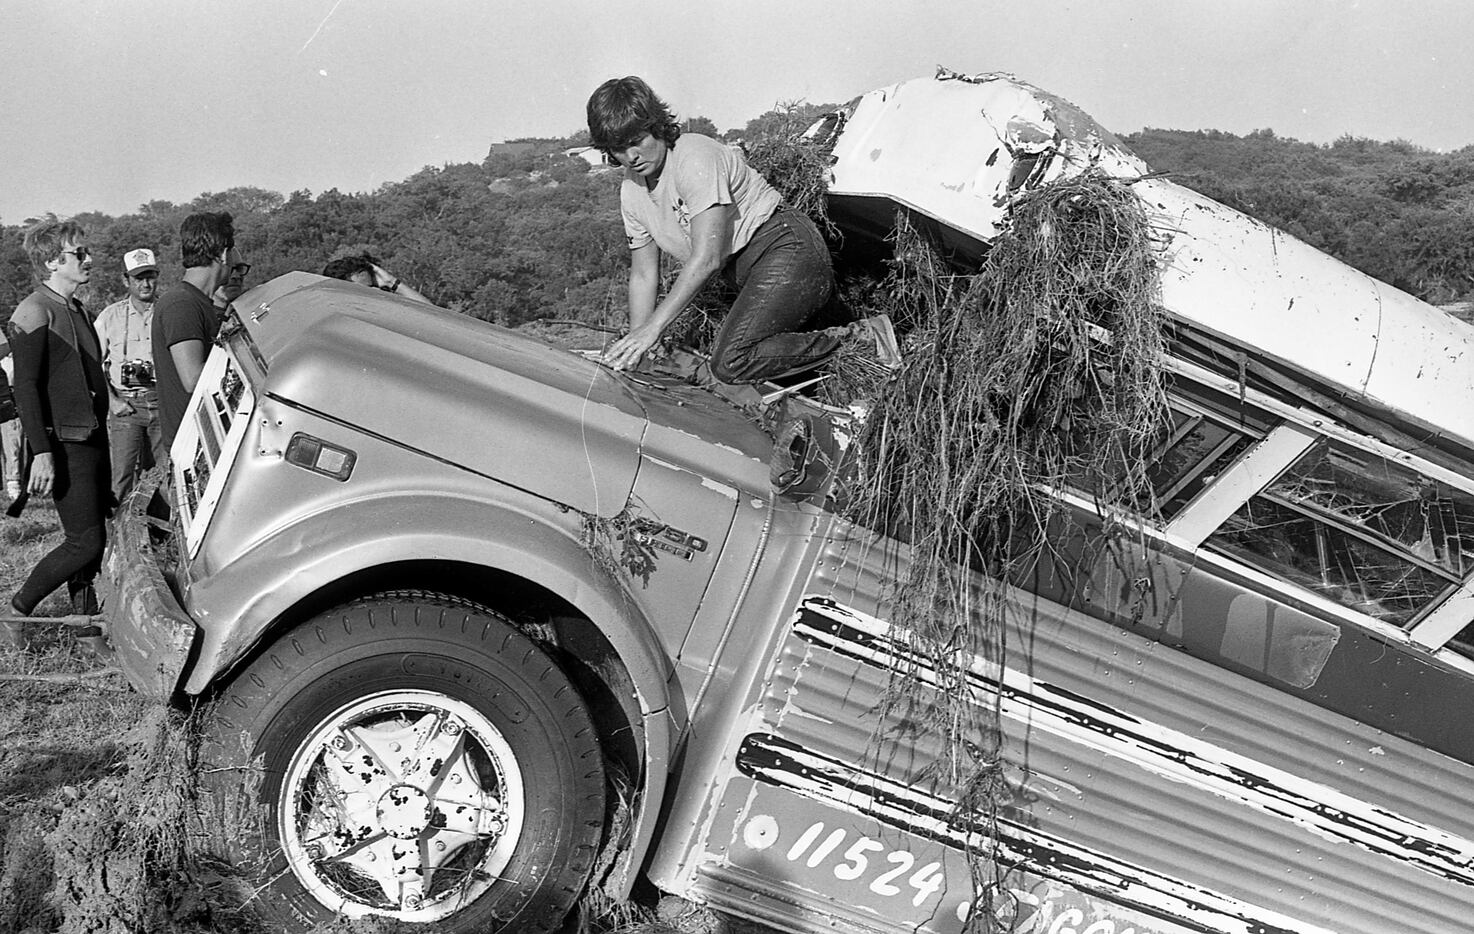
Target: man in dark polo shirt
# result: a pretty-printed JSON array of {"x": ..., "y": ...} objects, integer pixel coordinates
[{"x": 185, "y": 322}]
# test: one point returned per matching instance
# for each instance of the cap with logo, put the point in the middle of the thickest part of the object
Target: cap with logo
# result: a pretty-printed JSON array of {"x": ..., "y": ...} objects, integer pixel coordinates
[{"x": 138, "y": 262}]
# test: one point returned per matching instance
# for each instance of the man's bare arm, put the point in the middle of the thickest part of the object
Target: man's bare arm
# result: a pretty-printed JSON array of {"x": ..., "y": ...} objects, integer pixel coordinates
[{"x": 189, "y": 362}]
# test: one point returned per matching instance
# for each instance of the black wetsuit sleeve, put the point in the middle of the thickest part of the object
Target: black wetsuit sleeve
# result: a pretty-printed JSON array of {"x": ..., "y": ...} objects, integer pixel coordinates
[{"x": 29, "y": 347}]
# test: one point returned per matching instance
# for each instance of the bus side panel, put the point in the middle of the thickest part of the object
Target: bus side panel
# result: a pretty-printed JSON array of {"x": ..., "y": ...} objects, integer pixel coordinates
[
  {"x": 1161, "y": 792},
  {"x": 1198, "y": 605}
]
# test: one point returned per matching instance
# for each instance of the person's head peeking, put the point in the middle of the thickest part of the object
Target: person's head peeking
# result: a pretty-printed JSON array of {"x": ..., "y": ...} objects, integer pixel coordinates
[{"x": 357, "y": 269}]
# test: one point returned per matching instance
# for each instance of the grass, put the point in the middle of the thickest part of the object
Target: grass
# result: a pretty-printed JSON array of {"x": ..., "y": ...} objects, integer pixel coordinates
[{"x": 58, "y": 740}]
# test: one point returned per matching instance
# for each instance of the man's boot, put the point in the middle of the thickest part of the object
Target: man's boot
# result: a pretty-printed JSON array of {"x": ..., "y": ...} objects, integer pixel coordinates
[
  {"x": 84, "y": 601},
  {"x": 13, "y": 635},
  {"x": 89, "y": 638}
]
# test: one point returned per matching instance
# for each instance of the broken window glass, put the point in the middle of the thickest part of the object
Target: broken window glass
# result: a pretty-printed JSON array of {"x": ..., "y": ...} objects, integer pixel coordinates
[
  {"x": 1430, "y": 520},
  {"x": 1202, "y": 449},
  {"x": 1367, "y": 532},
  {"x": 1206, "y": 434}
]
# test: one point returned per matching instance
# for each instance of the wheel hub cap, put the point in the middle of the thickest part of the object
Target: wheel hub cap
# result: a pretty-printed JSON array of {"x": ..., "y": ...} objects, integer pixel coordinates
[
  {"x": 406, "y": 803},
  {"x": 404, "y": 812}
]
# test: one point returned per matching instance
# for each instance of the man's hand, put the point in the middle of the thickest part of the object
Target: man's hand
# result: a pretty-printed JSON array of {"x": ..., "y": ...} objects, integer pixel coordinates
[
  {"x": 119, "y": 406},
  {"x": 626, "y": 353},
  {"x": 43, "y": 474}
]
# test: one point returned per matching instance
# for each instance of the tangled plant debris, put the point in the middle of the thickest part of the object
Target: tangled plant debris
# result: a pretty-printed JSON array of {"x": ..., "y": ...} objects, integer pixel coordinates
[{"x": 1036, "y": 373}]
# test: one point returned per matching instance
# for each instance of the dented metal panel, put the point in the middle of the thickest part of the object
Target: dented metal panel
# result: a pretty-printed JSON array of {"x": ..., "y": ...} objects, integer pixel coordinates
[
  {"x": 150, "y": 633},
  {"x": 1281, "y": 298},
  {"x": 959, "y": 149}
]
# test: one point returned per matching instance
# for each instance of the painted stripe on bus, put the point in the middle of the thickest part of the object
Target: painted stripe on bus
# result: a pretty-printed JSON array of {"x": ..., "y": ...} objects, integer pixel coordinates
[{"x": 1173, "y": 755}]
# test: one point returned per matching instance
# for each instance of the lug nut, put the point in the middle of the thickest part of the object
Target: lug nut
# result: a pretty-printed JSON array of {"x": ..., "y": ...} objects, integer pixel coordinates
[
  {"x": 411, "y": 901},
  {"x": 314, "y": 852},
  {"x": 452, "y": 728},
  {"x": 342, "y": 743}
]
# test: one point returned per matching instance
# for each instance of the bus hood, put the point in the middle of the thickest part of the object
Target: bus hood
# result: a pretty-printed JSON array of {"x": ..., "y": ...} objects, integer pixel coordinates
[
  {"x": 456, "y": 389},
  {"x": 488, "y": 399}
]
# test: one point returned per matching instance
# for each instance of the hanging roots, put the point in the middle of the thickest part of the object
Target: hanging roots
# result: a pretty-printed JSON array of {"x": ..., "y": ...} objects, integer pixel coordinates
[
  {"x": 620, "y": 545},
  {"x": 1038, "y": 372}
]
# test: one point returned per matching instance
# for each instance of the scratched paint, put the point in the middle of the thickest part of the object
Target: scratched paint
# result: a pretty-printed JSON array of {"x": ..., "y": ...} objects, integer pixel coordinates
[
  {"x": 1165, "y": 752},
  {"x": 904, "y": 806}
]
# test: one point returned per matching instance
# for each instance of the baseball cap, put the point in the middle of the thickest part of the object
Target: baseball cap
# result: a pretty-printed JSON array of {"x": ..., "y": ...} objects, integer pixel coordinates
[{"x": 139, "y": 261}]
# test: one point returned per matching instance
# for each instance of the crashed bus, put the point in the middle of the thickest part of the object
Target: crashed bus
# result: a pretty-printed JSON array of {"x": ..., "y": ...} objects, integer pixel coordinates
[{"x": 459, "y": 714}]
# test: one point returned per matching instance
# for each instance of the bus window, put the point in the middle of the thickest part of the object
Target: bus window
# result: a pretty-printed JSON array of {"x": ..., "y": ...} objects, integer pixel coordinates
[
  {"x": 1201, "y": 449},
  {"x": 1463, "y": 643},
  {"x": 1206, "y": 434},
  {"x": 1364, "y": 531}
]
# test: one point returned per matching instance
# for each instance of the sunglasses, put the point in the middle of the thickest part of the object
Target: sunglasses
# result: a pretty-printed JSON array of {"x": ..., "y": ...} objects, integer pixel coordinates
[
  {"x": 81, "y": 253},
  {"x": 240, "y": 269}
]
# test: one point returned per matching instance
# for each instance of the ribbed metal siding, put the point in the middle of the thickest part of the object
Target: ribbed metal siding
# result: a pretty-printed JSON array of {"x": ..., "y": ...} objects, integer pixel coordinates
[{"x": 826, "y": 703}]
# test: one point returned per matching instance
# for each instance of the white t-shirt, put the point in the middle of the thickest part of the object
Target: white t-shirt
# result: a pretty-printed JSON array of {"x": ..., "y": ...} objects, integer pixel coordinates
[{"x": 699, "y": 172}]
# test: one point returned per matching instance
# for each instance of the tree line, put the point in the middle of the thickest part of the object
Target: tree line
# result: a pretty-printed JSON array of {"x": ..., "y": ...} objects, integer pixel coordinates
[
  {"x": 532, "y": 233},
  {"x": 1395, "y": 211}
]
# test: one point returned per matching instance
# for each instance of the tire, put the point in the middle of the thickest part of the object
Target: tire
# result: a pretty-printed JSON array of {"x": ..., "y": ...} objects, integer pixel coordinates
[{"x": 418, "y": 759}]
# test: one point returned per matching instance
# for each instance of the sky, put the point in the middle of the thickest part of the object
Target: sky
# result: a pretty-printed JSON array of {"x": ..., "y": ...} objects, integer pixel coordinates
[{"x": 106, "y": 105}]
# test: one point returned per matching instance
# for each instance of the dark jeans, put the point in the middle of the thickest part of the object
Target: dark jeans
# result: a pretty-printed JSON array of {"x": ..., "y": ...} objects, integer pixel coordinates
[
  {"x": 136, "y": 441},
  {"x": 785, "y": 283},
  {"x": 82, "y": 494}
]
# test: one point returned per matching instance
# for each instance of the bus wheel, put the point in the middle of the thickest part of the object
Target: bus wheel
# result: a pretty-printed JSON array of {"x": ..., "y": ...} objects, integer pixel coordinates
[{"x": 417, "y": 759}]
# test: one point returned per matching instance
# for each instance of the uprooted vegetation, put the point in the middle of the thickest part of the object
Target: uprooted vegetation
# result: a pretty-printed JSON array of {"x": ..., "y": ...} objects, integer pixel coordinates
[
  {"x": 102, "y": 833},
  {"x": 1031, "y": 368},
  {"x": 139, "y": 851},
  {"x": 1035, "y": 373}
]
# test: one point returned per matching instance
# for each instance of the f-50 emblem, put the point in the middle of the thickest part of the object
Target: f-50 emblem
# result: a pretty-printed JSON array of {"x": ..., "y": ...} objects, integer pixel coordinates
[{"x": 671, "y": 540}]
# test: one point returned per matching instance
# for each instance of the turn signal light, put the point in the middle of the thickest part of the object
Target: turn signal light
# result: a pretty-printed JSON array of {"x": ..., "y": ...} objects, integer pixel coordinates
[{"x": 321, "y": 457}]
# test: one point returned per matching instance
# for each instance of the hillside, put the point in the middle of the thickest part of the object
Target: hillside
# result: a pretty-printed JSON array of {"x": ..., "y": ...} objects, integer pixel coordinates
[{"x": 533, "y": 234}]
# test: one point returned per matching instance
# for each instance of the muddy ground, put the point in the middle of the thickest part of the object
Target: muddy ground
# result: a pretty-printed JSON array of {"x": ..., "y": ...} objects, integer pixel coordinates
[{"x": 100, "y": 828}]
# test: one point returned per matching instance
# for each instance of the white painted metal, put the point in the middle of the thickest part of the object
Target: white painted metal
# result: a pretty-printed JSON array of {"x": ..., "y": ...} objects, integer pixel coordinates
[{"x": 948, "y": 147}]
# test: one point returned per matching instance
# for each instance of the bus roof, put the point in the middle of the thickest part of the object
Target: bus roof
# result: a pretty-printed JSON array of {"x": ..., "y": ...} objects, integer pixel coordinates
[{"x": 960, "y": 148}]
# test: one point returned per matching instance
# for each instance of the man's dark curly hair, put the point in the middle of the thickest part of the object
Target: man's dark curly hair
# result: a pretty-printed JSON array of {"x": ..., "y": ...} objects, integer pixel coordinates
[{"x": 623, "y": 108}]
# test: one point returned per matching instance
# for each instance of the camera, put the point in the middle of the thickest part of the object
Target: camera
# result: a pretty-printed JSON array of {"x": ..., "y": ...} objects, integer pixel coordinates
[{"x": 137, "y": 374}]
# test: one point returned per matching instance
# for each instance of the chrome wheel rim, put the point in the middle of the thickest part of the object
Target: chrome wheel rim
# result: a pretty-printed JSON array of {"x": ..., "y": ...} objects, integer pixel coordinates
[{"x": 402, "y": 803}]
